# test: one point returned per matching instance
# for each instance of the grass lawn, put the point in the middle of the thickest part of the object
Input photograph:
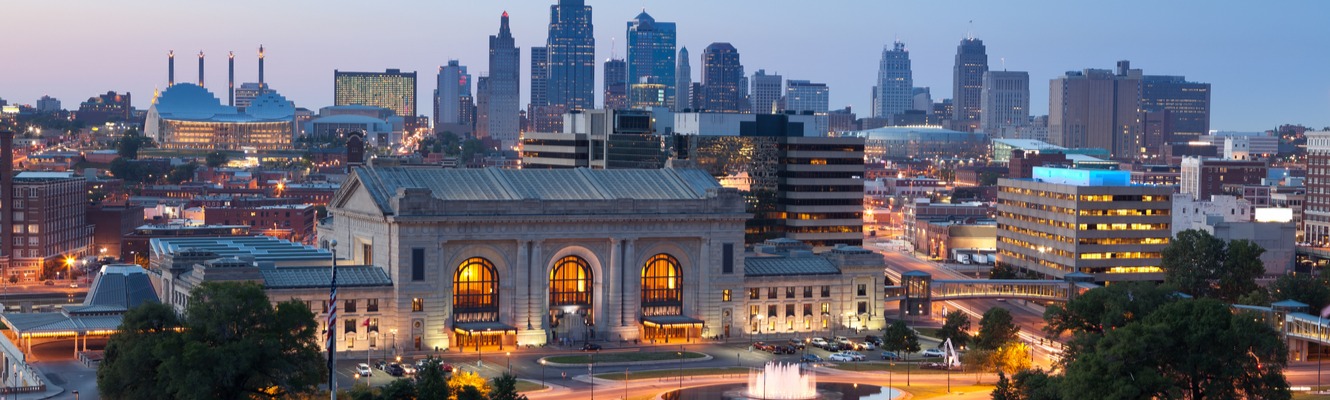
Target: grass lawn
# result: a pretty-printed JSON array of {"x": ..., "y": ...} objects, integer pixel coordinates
[
  {"x": 668, "y": 373},
  {"x": 937, "y": 392},
  {"x": 623, "y": 357},
  {"x": 524, "y": 386},
  {"x": 1310, "y": 396},
  {"x": 883, "y": 367},
  {"x": 930, "y": 332}
]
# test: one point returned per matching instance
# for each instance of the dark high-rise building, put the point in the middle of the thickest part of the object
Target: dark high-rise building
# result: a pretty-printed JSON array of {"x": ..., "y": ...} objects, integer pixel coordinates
[
  {"x": 683, "y": 97},
  {"x": 650, "y": 58},
  {"x": 503, "y": 99},
  {"x": 391, "y": 89},
  {"x": 541, "y": 116},
  {"x": 765, "y": 93},
  {"x": 99, "y": 109},
  {"x": 1187, "y": 103},
  {"x": 894, "y": 92},
  {"x": 453, "y": 84},
  {"x": 616, "y": 88},
  {"x": 1097, "y": 108},
  {"x": 572, "y": 56},
  {"x": 722, "y": 76},
  {"x": 967, "y": 83}
]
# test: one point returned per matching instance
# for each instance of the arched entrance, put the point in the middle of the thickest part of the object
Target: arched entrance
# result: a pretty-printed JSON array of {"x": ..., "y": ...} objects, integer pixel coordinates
[
  {"x": 570, "y": 312},
  {"x": 476, "y": 305},
  {"x": 662, "y": 301}
]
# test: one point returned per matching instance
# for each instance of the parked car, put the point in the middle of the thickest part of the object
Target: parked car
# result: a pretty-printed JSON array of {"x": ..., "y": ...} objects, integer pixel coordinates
[
  {"x": 841, "y": 356},
  {"x": 409, "y": 369},
  {"x": 810, "y": 358},
  {"x": 797, "y": 344},
  {"x": 890, "y": 355},
  {"x": 395, "y": 369},
  {"x": 783, "y": 349},
  {"x": 873, "y": 339},
  {"x": 590, "y": 347},
  {"x": 833, "y": 347},
  {"x": 934, "y": 353},
  {"x": 866, "y": 346},
  {"x": 819, "y": 342},
  {"x": 50, "y": 283},
  {"x": 380, "y": 365},
  {"x": 363, "y": 370},
  {"x": 857, "y": 355},
  {"x": 843, "y": 341},
  {"x": 762, "y": 346}
]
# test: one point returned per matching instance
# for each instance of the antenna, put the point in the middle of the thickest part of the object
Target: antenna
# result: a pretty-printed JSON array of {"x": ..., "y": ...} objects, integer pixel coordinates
[
  {"x": 1004, "y": 63},
  {"x": 612, "y": 48},
  {"x": 969, "y": 30}
]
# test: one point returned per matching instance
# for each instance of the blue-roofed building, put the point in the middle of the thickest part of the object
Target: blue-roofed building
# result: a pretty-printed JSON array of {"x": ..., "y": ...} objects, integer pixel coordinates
[
  {"x": 116, "y": 289},
  {"x": 187, "y": 116}
]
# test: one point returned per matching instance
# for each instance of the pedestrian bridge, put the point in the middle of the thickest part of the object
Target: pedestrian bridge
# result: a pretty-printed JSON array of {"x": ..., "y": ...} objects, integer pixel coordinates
[{"x": 917, "y": 290}]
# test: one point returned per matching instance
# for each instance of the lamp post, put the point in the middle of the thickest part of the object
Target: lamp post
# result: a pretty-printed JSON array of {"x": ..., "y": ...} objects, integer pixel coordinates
[
  {"x": 680, "y": 367},
  {"x": 542, "y": 373},
  {"x": 332, "y": 321},
  {"x": 510, "y": 362},
  {"x": 591, "y": 373}
]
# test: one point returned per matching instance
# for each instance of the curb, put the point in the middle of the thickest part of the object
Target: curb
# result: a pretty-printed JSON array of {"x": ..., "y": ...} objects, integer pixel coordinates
[{"x": 705, "y": 357}]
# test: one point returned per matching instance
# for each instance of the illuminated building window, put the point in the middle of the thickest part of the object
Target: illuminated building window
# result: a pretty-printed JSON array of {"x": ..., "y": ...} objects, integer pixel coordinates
[
  {"x": 570, "y": 282},
  {"x": 475, "y": 286},
  {"x": 661, "y": 281}
]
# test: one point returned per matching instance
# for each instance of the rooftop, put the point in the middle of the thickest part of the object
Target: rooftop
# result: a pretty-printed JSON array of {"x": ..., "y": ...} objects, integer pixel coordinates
[
  {"x": 923, "y": 132},
  {"x": 260, "y": 248},
  {"x": 321, "y": 277},
  {"x": 1028, "y": 144},
  {"x": 785, "y": 266}
]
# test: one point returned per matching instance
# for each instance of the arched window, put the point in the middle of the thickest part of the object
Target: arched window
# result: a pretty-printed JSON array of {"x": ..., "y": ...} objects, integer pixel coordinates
[
  {"x": 476, "y": 286},
  {"x": 661, "y": 283},
  {"x": 570, "y": 282}
]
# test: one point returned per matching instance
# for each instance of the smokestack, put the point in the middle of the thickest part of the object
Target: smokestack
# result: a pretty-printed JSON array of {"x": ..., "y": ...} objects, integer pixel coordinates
[
  {"x": 201, "y": 68},
  {"x": 170, "y": 68},
  {"x": 261, "y": 87},
  {"x": 6, "y": 194},
  {"x": 231, "y": 78}
]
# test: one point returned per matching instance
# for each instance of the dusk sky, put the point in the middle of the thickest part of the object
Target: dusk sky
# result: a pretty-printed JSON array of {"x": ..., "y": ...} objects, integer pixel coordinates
[{"x": 1266, "y": 61}]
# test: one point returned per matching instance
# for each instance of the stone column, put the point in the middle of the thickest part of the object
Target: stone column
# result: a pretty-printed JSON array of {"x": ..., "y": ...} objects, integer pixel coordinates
[
  {"x": 531, "y": 325},
  {"x": 612, "y": 309}
]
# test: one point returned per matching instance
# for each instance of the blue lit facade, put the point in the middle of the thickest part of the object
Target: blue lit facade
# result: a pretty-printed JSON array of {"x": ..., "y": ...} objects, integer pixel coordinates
[
  {"x": 572, "y": 56},
  {"x": 651, "y": 47}
]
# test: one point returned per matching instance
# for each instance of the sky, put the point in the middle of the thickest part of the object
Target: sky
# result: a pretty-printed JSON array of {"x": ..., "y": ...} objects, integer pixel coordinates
[{"x": 1266, "y": 61}]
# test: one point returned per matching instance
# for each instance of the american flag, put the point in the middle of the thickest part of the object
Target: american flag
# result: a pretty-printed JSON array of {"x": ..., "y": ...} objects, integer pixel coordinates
[{"x": 332, "y": 311}]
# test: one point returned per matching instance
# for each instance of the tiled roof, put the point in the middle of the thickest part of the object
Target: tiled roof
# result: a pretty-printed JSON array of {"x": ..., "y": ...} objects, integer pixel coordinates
[
  {"x": 782, "y": 266},
  {"x": 124, "y": 286},
  {"x": 321, "y": 277},
  {"x": 539, "y": 184}
]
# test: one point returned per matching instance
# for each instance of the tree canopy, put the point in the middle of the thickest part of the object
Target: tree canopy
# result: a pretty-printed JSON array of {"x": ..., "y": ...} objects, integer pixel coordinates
[
  {"x": 128, "y": 145},
  {"x": 216, "y": 159},
  {"x": 232, "y": 343},
  {"x": 955, "y": 327},
  {"x": 996, "y": 328},
  {"x": 1202, "y": 265},
  {"x": 899, "y": 338}
]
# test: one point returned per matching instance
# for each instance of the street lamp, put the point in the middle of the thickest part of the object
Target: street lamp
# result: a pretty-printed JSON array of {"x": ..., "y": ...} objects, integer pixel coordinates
[
  {"x": 680, "y": 367},
  {"x": 542, "y": 372},
  {"x": 510, "y": 362}
]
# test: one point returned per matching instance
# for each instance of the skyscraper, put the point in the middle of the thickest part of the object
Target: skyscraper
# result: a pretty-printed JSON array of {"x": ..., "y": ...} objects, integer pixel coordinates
[
  {"x": 616, "y": 89},
  {"x": 572, "y": 56},
  {"x": 391, "y": 89},
  {"x": 895, "y": 82},
  {"x": 967, "y": 83},
  {"x": 651, "y": 57},
  {"x": 766, "y": 92},
  {"x": 541, "y": 116},
  {"x": 683, "y": 75},
  {"x": 1005, "y": 102},
  {"x": 503, "y": 99},
  {"x": 1097, "y": 108},
  {"x": 1187, "y": 103},
  {"x": 801, "y": 96},
  {"x": 721, "y": 77},
  {"x": 454, "y": 84}
]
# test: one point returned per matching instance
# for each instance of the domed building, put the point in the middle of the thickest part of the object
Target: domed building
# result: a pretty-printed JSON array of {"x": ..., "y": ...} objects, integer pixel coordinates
[{"x": 187, "y": 116}]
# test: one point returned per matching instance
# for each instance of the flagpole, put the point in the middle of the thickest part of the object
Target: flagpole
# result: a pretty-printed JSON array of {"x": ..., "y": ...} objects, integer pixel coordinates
[{"x": 332, "y": 323}]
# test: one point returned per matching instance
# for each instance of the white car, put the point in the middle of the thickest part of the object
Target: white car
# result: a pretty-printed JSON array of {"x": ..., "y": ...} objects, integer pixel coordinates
[
  {"x": 857, "y": 355},
  {"x": 819, "y": 342},
  {"x": 409, "y": 369},
  {"x": 363, "y": 370},
  {"x": 867, "y": 346},
  {"x": 933, "y": 353},
  {"x": 842, "y": 357}
]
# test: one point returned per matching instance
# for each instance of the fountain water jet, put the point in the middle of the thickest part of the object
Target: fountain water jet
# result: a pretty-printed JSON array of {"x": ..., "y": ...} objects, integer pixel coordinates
[{"x": 778, "y": 381}]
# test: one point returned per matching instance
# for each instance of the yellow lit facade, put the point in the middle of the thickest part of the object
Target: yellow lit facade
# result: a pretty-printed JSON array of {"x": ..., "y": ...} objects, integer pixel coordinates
[
  {"x": 215, "y": 135},
  {"x": 1113, "y": 232}
]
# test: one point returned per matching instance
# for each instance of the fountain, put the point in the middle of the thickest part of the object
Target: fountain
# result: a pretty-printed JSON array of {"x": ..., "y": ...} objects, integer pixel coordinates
[{"x": 781, "y": 382}]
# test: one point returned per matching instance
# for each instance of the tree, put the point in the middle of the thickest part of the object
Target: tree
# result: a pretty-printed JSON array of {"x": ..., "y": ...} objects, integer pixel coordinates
[
  {"x": 996, "y": 329},
  {"x": 1301, "y": 287},
  {"x": 470, "y": 393},
  {"x": 505, "y": 388},
  {"x": 1002, "y": 271},
  {"x": 1035, "y": 384},
  {"x": 899, "y": 338},
  {"x": 216, "y": 159},
  {"x": 233, "y": 343},
  {"x": 1005, "y": 389},
  {"x": 1012, "y": 358},
  {"x": 1195, "y": 349},
  {"x": 182, "y": 173},
  {"x": 956, "y": 327},
  {"x": 398, "y": 389},
  {"x": 131, "y": 367},
  {"x": 129, "y": 144},
  {"x": 431, "y": 384},
  {"x": 979, "y": 361},
  {"x": 1204, "y": 266},
  {"x": 1090, "y": 314},
  {"x": 461, "y": 382}
]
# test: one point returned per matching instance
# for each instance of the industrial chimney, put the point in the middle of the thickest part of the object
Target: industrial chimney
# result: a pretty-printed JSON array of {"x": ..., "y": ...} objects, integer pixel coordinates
[
  {"x": 261, "y": 87},
  {"x": 170, "y": 68},
  {"x": 231, "y": 78},
  {"x": 200, "y": 68}
]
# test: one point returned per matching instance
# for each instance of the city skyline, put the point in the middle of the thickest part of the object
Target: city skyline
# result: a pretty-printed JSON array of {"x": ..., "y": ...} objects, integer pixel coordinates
[{"x": 1252, "y": 92}]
